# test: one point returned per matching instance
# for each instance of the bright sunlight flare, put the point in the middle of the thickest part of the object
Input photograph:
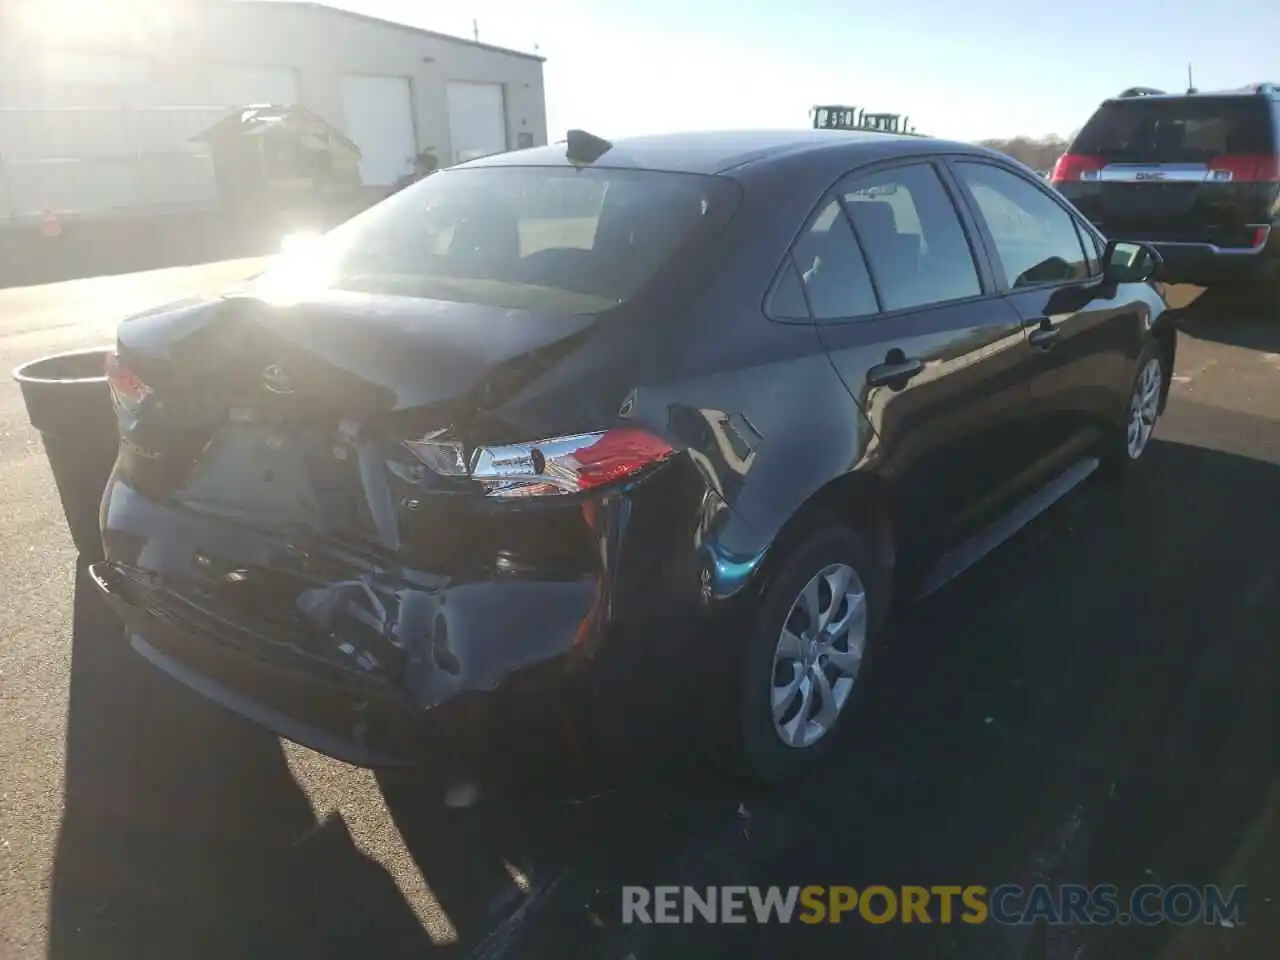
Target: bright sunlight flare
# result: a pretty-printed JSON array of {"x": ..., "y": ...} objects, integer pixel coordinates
[{"x": 68, "y": 20}]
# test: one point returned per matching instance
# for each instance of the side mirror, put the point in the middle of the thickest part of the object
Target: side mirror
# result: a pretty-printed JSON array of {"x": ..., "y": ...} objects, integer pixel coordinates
[{"x": 1128, "y": 261}]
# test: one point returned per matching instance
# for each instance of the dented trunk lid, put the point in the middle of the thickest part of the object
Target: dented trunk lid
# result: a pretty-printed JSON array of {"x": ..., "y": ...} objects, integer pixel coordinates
[
  {"x": 290, "y": 417},
  {"x": 351, "y": 353},
  {"x": 284, "y": 423}
]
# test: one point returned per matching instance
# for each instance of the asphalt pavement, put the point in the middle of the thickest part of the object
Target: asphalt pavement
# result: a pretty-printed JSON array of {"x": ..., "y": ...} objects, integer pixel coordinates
[{"x": 1092, "y": 703}]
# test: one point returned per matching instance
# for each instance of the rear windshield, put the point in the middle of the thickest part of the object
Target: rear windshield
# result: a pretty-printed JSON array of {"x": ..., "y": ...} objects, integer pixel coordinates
[
  {"x": 1177, "y": 130},
  {"x": 537, "y": 238}
]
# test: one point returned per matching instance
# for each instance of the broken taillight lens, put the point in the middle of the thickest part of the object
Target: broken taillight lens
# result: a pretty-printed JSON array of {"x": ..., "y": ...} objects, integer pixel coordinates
[
  {"x": 551, "y": 467},
  {"x": 127, "y": 388},
  {"x": 445, "y": 457}
]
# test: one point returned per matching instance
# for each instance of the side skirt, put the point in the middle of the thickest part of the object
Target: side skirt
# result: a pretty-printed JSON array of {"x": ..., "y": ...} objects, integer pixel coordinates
[{"x": 960, "y": 559}]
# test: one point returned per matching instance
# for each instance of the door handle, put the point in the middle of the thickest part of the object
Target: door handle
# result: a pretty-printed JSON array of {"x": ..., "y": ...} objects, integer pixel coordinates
[
  {"x": 894, "y": 372},
  {"x": 1043, "y": 338}
]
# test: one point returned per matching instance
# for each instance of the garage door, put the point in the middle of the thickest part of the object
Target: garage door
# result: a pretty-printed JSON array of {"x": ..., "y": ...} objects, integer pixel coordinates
[
  {"x": 379, "y": 113},
  {"x": 239, "y": 86},
  {"x": 477, "y": 120}
]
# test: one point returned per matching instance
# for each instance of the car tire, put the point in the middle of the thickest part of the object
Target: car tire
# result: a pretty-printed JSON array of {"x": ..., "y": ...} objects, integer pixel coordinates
[
  {"x": 1130, "y": 438},
  {"x": 830, "y": 570}
]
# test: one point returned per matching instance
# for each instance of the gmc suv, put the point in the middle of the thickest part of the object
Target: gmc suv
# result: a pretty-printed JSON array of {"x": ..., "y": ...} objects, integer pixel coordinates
[{"x": 1195, "y": 174}]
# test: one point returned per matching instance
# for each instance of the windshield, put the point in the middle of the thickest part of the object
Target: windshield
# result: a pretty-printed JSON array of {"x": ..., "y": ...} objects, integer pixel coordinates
[
  {"x": 1177, "y": 130},
  {"x": 538, "y": 238}
]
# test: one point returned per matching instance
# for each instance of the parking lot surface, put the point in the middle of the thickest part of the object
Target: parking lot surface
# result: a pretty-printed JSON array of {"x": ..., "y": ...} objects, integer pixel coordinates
[{"x": 1092, "y": 703}]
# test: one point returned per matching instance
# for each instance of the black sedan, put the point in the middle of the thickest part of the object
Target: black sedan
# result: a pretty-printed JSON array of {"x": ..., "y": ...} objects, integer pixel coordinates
[{"x": 674, "y": 418}]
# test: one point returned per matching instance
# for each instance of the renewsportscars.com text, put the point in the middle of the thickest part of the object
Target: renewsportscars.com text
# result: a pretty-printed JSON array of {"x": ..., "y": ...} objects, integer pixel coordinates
[{"x": 1007, "y": 904}]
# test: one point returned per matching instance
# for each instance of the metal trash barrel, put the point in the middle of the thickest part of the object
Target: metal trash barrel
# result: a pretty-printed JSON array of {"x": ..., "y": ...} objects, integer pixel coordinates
[{"x": 69, "y": 401}]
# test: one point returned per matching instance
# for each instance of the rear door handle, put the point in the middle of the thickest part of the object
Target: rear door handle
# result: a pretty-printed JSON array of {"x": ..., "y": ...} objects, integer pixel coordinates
[
  {"x": 894, "y": 373},
  {"x": 1043, "y": 338}
]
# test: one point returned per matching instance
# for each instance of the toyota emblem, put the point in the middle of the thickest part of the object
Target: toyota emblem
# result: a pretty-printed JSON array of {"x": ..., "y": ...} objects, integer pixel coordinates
[{"x": 276, "y": 380}]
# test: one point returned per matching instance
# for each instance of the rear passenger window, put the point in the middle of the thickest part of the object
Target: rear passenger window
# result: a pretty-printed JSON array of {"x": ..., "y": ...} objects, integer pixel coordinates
[
  {"x": 1036, "y": 239},
  {"x": 831, "y": 269},
  {"x": 911, "y": 233}
]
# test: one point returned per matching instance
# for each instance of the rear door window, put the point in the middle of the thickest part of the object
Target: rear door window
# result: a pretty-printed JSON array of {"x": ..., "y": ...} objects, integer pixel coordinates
[
  {"x": 911, "y": 233},
  {"x": 1036, "y": 239},
  {"x": 1178, "y": 129}
]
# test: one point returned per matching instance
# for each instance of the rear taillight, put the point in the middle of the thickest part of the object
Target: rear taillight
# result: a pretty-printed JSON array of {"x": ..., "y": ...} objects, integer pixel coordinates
[
  {"x": 1245, "y": 169},
  {"x": 127, "y": 388},
  {"x": 1075, "y": 166},
  {"x": 550, "y": 467}
]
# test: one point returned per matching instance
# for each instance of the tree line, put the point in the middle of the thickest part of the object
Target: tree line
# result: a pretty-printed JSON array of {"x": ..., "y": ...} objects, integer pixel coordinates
[{"x": 1038, "y": 154}]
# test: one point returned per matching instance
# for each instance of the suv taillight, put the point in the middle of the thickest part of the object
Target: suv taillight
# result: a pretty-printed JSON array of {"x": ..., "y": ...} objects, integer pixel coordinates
[
  {"x": 1245, "y": 169},
  {"x": 127, "y": 388},
  {"x": 1075, "y": 166},
  {"x": 549, "y": 467}
]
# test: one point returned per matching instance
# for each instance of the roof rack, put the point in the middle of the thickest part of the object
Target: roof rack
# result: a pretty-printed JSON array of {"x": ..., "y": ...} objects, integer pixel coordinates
[{"x": 1141, "y": 92}]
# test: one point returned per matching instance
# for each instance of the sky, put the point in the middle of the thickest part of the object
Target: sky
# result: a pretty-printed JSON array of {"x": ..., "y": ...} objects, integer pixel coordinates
[{"x": 982, "y": 68}]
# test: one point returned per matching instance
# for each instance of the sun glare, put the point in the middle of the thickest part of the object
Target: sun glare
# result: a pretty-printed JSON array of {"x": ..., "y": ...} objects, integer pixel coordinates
[{"x": 84, "y": 20}]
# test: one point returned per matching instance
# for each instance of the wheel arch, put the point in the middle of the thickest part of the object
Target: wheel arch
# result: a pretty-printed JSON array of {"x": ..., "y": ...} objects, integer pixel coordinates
[{"x": 862, "y": 501}]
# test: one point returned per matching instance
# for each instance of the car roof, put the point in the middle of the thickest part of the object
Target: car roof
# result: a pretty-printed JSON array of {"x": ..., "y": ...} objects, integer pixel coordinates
[{"x": 719, "y": 152}]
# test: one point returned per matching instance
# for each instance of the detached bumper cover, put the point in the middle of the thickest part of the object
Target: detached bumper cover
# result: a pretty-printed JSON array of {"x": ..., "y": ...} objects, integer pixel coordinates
[
  {"x": 363, "y": 654},
  {"x": 354, "y": 717},
  {"x": 339, "y": 716}
]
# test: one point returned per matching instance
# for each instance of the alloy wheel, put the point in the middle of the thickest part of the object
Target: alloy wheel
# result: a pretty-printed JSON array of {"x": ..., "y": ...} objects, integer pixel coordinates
[
  {"x": 1144, "y": 407},
  {"x": 818, "y": 655}
]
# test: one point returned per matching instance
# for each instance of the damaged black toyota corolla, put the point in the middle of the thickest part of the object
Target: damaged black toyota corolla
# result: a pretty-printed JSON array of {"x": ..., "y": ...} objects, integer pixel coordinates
[{"x": 608, "y": 416}]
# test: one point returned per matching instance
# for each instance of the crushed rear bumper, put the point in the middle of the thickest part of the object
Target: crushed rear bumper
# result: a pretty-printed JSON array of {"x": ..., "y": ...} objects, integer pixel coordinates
[
  {"x": 346, "y": 717},
  {"x": 377, "y": 663}
]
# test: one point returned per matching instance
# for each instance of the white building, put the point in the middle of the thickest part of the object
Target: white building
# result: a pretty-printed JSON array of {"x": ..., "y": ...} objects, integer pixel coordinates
[{"x": 101, "y": 119}]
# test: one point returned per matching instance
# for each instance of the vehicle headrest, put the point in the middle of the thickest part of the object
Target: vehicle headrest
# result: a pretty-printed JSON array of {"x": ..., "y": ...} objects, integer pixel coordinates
[{"x": 874, "y": 218}]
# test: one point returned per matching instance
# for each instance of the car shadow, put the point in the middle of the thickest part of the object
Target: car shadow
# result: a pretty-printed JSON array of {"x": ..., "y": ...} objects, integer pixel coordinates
[
  {"x": 1229, "y": 315},
  {"x": 184, "y": 833},
  {"x": 1092, "y": 703}
]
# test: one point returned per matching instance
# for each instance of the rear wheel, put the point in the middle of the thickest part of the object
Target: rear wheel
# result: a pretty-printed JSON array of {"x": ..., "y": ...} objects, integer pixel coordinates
[
  {"x": 805, "y": 661},
  {"x": 1130, "y": 439}
]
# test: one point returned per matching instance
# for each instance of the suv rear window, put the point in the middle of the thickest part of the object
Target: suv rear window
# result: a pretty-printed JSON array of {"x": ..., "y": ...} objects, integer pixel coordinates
[{"x": 1178, "y": 129}]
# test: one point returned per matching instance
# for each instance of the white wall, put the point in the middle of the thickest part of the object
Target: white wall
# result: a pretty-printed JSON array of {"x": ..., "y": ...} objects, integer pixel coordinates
[
  {"x": 477, "y": 120},
  {"x": 216, "y": 53},
  {"x": 378, "y": 116},
  {"x": 322, "y": 45}
]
